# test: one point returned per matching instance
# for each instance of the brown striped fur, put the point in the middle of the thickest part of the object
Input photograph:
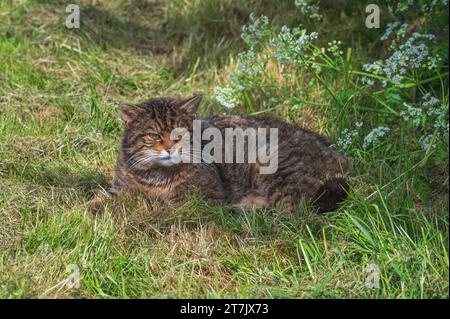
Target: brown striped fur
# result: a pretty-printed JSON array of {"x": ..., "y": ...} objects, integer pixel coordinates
[{"x": 308, "y": 169}]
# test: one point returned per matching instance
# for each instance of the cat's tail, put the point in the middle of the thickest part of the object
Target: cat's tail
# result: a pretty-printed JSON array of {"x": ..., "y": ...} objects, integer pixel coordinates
[{"x": 331, "y": 194}]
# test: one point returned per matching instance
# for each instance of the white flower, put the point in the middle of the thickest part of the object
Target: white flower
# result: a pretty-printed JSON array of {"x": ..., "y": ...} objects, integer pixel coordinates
[
  {"x": 291, "y": 44},
  {"x": 389, "y": 30},
  {"x": 247, "y": 63},
  {"x": 226, "y": 96},
  {"x": 425, "y": 141},
  {"x": 413, "y": 113},
  {"x": 256, "y": 30},
  {"x": 334, "y": 48},
  {"x": 308, "y": 9},
  {"x": 347, "y": 137},
  {"x": 375, "y": 67},
  {"x": 413, "y": 54},
  {"x": 429, "y": 100},
  {"x": 375, "y": 135}
]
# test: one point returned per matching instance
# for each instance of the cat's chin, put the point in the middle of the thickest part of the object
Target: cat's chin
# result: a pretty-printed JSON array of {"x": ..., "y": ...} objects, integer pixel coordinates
[{"x": 166, "y": 162}]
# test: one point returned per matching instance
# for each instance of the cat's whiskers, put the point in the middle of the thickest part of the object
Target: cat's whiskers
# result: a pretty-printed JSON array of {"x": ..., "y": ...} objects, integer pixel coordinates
[{"x": 140, "y": 158}]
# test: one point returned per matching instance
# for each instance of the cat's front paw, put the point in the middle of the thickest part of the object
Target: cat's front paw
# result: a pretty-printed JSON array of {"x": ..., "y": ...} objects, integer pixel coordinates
[
  {"x": 253, "y": 200},
  {"x": 97, "y": 204}
]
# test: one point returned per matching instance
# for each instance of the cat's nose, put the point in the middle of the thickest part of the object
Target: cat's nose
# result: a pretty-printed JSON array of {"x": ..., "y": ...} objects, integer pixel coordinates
[{"x": 169, "y": 150}]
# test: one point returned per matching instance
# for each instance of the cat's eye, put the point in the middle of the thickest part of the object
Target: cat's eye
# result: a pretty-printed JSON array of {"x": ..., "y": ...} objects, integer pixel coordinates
[{"x": 153, "y": 137}]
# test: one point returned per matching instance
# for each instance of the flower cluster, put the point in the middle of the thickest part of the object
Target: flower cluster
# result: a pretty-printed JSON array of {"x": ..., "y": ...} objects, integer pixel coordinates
[
  {"x": 430, "y": 115},
  {"x": 428, "y": 100},
  {"x": 374, "y": 136},
  {"x": 308, "y": 9},
  {"x": 255, "y": 31},
  {"x": 335, "y": 48},
  {"x": 413, "y": 54},
  {"x": 347, "y": 138},
  {"x": 390, "y": 29},
  {"x": 375, "y": 67},
  {"x": 412, "y": 113},
  {"x": 290, "y": 45},
  {"x": 425, "y": 141},
  {"x": 246, "y": 62},
  {"x": 248, "y": 68},
  {"x": 226, "y": 96},
  {"x": 407, "y": 55}
]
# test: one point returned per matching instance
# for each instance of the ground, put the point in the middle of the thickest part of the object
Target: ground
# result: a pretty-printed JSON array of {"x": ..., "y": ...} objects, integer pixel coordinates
[{"x": 60, "y": 132}]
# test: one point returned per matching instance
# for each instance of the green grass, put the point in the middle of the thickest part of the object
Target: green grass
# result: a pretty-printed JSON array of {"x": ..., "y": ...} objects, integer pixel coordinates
[{"x": 59, "y": 136}]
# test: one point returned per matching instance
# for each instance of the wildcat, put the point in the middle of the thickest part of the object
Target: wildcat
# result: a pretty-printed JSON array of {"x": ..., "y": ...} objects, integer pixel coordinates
[{"x": 308, "y": 169}]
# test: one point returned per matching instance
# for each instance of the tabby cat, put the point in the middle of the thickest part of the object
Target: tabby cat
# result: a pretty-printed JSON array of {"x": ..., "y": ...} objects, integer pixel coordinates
[{"x": 308, "y": 169}]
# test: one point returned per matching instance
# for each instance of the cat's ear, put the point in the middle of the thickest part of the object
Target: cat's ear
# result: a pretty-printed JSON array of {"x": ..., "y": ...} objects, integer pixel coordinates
[
  {"x": 191, "y": 105},
  {"x": 130, "y": 113}
]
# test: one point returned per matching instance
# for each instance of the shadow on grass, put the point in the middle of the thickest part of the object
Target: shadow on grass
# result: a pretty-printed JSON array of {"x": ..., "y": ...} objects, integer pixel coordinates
[
  {"x": 206, "y": 30},
  {"x": 87, "y": 182}
]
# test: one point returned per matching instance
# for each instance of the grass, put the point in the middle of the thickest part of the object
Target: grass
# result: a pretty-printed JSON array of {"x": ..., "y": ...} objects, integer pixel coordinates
[{"x": 59, "y": 135}]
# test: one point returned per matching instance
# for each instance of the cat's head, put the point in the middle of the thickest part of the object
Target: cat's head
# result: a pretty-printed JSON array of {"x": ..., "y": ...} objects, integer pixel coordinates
[{"x": 147, "y": 138}]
